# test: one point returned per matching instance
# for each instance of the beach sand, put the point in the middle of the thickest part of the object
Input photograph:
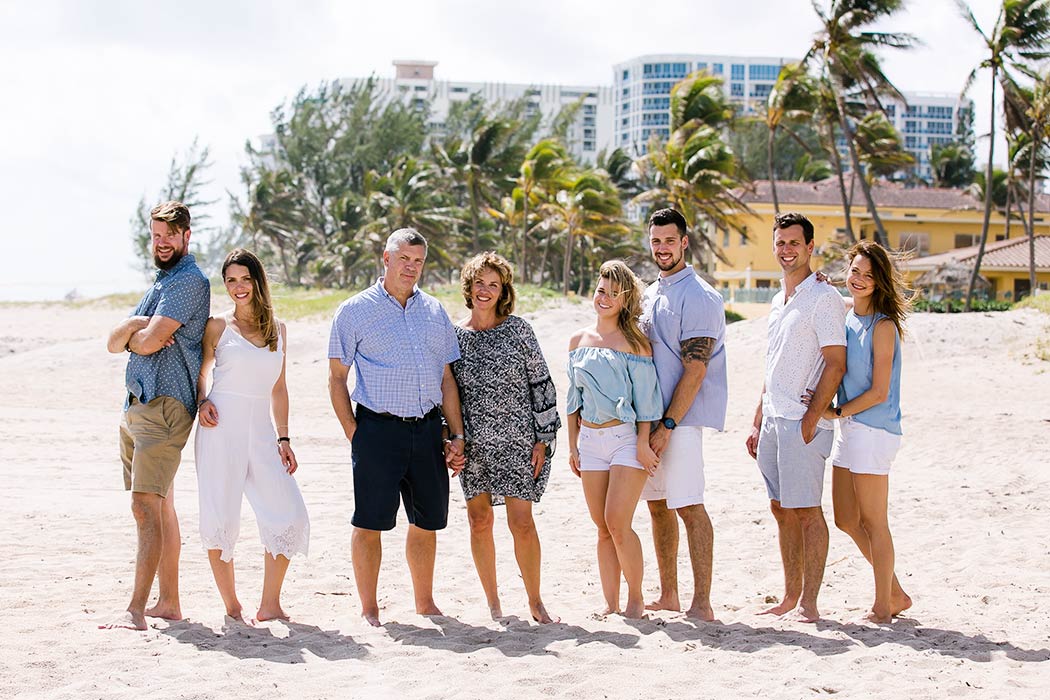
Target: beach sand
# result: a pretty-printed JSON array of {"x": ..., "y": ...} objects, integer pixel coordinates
[{"x": 968, "y": 510}]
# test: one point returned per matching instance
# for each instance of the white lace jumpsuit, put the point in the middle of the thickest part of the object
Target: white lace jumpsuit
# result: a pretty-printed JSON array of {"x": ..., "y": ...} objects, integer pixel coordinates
[{"x": 239, "y": 455}]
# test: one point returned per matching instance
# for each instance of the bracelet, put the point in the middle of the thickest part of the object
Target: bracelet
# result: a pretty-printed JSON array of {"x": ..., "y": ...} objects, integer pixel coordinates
[
  {"x": 457, "y": 436},
  {"x": 284, "y": 439},
  {"x": 201, "y": 402}
]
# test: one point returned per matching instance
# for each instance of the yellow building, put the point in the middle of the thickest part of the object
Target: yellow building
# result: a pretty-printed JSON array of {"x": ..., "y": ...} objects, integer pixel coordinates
[{"x": 924, "y": 221}]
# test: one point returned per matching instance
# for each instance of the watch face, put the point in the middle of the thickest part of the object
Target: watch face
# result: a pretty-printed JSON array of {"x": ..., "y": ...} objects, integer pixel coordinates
[{"x": 669, "y": 423}]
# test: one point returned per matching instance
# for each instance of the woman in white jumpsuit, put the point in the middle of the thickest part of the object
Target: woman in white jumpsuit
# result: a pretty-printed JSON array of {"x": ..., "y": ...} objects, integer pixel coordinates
[{"x": 237, "y": 451}]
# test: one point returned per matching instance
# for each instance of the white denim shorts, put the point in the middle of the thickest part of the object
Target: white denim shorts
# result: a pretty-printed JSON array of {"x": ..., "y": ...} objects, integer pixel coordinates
[
  {"x": 679, "y": 478},
  {"x": 863, "y": 449},
  {"x": 600, "y": 448}
]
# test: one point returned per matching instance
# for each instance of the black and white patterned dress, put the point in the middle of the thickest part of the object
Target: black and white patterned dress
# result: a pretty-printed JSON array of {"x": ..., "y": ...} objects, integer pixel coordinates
[{"x": 509, "y": 404}]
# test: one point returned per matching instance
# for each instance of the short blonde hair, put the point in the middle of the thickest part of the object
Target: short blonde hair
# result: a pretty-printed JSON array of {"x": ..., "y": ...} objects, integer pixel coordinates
[{"x": 498, "y": 264}]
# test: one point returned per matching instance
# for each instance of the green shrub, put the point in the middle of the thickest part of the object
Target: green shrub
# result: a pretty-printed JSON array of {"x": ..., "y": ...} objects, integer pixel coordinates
[
  {"x": 956, "y": 305},
  {"x": 733, "y": 316}
]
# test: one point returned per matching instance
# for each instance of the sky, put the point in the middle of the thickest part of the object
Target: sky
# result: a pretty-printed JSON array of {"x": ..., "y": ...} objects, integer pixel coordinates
[{"x": 99, "y": 95}]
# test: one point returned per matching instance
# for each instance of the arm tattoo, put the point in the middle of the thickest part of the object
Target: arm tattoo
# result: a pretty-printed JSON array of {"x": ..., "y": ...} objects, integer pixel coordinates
[{"x": 698, "y": 349}]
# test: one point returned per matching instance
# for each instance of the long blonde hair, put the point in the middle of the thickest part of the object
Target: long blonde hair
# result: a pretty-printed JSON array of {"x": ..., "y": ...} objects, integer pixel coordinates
[
  {"x": 262, "y": 308},
  {"x": 630, "y": 295}
]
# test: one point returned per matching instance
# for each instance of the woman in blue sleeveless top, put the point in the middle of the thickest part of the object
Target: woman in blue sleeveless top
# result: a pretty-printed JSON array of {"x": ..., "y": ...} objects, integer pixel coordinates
[
  {"x": 613, "y": 397},
  {"x": 869, "y": 415}
]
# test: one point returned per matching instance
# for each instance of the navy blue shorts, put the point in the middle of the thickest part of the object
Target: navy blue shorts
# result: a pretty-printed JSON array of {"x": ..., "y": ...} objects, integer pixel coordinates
[{"x": 393, "y": 458}]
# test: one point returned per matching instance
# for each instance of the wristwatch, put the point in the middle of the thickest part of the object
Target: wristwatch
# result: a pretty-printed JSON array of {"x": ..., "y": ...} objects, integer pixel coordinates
[{"x": 669, "y": 423}]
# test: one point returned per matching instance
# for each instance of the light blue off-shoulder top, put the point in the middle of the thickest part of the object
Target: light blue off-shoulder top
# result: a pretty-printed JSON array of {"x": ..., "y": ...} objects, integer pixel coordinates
[{"x": 613, "y": 385}]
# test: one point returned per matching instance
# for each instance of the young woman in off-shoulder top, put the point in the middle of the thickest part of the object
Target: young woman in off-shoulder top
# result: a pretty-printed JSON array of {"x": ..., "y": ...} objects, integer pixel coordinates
[{"x": 613, "y": 397}]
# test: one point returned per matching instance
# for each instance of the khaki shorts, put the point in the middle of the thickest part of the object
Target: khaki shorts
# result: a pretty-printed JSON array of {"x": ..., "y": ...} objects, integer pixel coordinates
[{"x": 152, "y": 436}]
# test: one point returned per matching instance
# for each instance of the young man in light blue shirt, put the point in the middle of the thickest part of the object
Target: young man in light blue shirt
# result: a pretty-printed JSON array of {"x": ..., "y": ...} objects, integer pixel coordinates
[{"x": 684, "y": 318}]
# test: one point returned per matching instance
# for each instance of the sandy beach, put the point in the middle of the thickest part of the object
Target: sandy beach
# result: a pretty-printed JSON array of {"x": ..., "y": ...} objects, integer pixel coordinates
[{"x": 968, "y": 510}]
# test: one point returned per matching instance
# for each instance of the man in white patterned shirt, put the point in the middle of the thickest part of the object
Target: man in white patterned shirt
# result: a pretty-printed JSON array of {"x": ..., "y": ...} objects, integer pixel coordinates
[
  {"x": 790, "y": 440},
  {"x": 401, "y": 343}
]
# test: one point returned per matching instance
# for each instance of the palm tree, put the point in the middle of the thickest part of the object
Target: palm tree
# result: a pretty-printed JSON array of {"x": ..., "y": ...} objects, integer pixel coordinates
[
  {"x": 410, "y": 196},
  {"x": 543, "y": 167},
  {"x": 952, "y": 164},
  {"x": 880, "y": 148},
  {"x": 1020, "y": 34},
  {"x": 792, "y": 99},
  {"x": 1038, "y": 113},
  {"x": 694, "y": 171},
  {"x": 587, "y": 208},
  {"x": 844, "y": 48}
]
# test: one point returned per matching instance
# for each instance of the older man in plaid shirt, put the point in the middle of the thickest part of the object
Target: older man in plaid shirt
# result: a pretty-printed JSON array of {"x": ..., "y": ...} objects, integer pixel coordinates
[{"x": 400, "y": 342}]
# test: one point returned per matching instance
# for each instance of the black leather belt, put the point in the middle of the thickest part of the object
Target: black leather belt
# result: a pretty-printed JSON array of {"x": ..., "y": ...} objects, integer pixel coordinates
[{"x": 362, "y": 409}]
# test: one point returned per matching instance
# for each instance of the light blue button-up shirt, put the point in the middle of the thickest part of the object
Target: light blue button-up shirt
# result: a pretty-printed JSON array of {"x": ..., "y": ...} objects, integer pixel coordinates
[
  {"x": 182, "y": 294},
  {"x": 677, "y": 308},
  {"x": 398, "y": 354},
  {"x": 606, "y": 384}
]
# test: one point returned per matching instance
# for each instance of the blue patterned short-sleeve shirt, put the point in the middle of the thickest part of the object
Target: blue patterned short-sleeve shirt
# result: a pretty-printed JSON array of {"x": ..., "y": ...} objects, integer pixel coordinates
[
  {"x": 398, "y": 354},
  {"x": 184, "y": 295}
]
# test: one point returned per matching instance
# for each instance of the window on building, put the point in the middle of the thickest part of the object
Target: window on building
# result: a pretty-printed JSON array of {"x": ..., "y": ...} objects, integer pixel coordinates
[
  {"x": 725, "y": 238},
  {"x": 736, "y": 89},
  {"x": 588, "y": 145},
  {"x": 762, "y": 284},
  {"x": 916, "y": 243},
  {"x": 760, "y": 89},
  {"x": 891, "y": 111},
  {"x": 458, "y": 88},
  {"x": 911, "y": 127},
  {"x": 590, "y": 109},
  {"x": 737, "y": 71},
  {"x": 701, "y": 65},
  {"x": 743, "y": 238},
  {"x": 626, "y": 75},
  {"x": 965, "y": 240},
  {"x": 716, "y": 68},
  {"x": 762, "y": 71}
]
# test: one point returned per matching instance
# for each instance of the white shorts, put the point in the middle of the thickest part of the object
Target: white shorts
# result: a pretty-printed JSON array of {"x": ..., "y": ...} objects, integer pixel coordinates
[
  {"x": 863, "y": 449},
  {"x": 679, "y": 478},
  {"x": 600, "y": 448}
]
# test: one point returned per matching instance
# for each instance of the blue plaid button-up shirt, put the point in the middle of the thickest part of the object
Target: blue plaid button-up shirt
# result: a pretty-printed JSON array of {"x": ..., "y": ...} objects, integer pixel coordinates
[{"x": 398, "y": 354}]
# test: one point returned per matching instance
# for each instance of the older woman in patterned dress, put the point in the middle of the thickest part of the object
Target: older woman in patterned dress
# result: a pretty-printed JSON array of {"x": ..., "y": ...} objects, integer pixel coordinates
[{"x": 511, "y": 419}]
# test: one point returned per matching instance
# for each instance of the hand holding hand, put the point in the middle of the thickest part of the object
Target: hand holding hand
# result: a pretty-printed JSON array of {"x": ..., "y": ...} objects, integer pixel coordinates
[
  {"x": 648, "y": 458},
  {"x": 455, "y": 457},
  {"x": 658, "y": 439}
]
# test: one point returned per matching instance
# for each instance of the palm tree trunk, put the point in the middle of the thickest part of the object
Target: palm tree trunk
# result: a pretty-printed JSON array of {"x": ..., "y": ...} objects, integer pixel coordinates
[
  {"x": 566, "y": 263},
  {"x": 770, "y": 160},
  {"x": 522, "y": 269},
  {"x": 847, "y": 132},
  {"x": 1009, "y": 211},
  {"x": 834, "y": 153},
  {"x": 987, "y": 200},
  {"x": 1033, "y": 148}
]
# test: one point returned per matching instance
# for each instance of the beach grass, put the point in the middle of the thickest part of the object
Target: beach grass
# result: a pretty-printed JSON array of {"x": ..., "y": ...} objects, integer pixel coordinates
[
  {"x": 295, "y": 303},
  {"x": 1039, "y": 302}
]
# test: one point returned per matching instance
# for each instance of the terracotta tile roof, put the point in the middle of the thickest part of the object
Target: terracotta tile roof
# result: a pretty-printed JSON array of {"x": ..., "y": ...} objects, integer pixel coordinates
[
  {"x": 886, "y": 194},
  {"x": 1011, "y": 253}
]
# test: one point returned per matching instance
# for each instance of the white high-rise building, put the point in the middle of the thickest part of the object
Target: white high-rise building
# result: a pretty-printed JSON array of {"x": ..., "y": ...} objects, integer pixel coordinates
[
  {"x": 591, "y": 132},
  {"x": 642, "y": 89}
]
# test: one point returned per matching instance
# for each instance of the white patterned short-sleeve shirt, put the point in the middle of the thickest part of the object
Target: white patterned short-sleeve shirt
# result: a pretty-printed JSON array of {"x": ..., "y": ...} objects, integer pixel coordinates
[{"x": 813, "y": 318}]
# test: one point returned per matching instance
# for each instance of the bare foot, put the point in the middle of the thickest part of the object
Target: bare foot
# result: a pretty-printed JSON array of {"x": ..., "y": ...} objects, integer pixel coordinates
[
  {"x": 232, "y": 623},
  {"x": 602, "y": 614},
  {"x": 371, "y": 617},
  {"x": 635, "y": 611},
  {"x": 270, "y": 613},
  {"x": 781, "y": 609},
  {"x": 805, "y": 613},
  {"x": 701, "y": 612},
  {"x": 495, "y": 610},
  {"x": 165, "y": 611},
  {"x": 127, "y": 621},
  {"x": 540, "y": 614},
  {"x": 900, "y": 603},
  {"x": 665, "y": 602},
  {"x": 430, "y": 608},
  {"x": 878, "y": 619}
]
